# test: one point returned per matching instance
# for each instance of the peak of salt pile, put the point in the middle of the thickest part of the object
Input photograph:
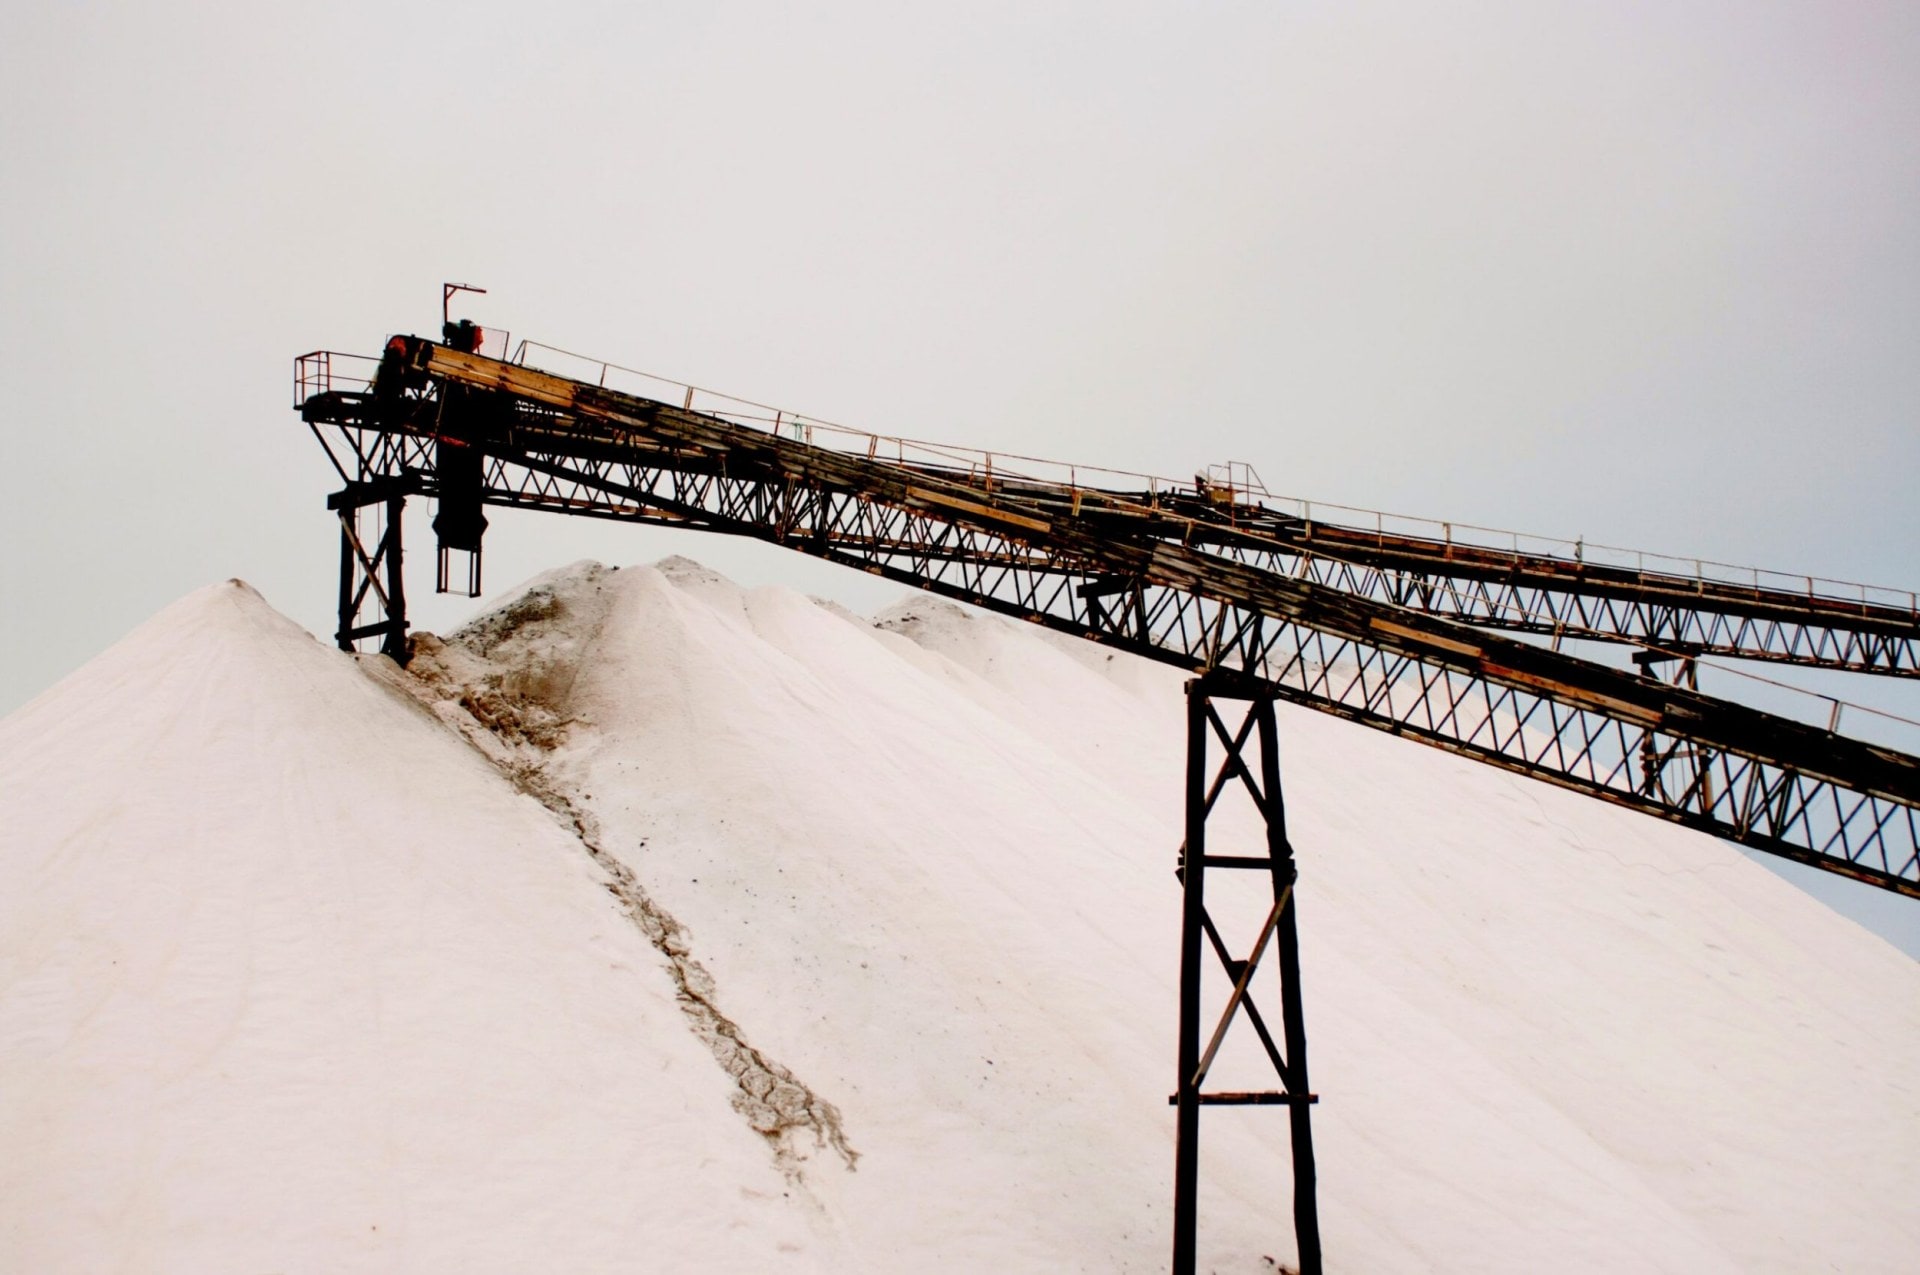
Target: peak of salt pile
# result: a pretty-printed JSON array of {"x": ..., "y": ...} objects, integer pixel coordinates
[
  {"x": 653, "y": 921},
  {"x": 292, "y": 978}
]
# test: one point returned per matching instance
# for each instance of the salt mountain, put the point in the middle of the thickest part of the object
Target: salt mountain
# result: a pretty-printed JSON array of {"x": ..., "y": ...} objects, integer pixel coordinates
[{"x": 650, "y": 923}]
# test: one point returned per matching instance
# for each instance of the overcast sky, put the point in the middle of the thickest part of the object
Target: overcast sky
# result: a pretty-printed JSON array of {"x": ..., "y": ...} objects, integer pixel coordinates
[{"x": 1647, "y": 273}]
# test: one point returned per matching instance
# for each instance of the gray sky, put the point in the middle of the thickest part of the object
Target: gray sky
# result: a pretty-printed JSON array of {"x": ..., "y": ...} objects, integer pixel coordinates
[{"x": 1647, "y": 273}]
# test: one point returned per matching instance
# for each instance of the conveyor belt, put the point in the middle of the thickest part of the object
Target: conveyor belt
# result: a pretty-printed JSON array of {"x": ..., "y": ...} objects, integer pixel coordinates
[{"x": 1186, "y": 587}]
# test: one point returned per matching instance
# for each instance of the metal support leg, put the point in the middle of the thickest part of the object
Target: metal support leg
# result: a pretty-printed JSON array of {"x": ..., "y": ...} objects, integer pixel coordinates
[
  {"x": 1193, "y": 876},
  {"x": 371, "y": 566},
  {"x": 1293, "y": 1017},
  {"x": 394, "y": 644},
  {"x": 349, "y": 605},
  {"x": 1279, "y": 932}
]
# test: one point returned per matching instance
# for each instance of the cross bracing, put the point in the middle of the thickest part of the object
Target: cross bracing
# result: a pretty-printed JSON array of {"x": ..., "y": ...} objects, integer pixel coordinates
[
  {"x": 1774, "y": 618},
  {"x": 1865, "y": 640}
]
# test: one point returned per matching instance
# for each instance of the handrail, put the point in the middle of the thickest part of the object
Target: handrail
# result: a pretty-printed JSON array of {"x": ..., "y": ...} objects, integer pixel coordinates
[
  {"x": 1069, "y": 478},
  {"x": 315, "y": 373}
]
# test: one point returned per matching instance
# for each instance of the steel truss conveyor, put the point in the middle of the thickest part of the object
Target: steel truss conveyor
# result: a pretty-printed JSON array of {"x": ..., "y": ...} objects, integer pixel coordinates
[
  {"x": 1392, "y": 632},
  {"x": 1671, "y": 616}
]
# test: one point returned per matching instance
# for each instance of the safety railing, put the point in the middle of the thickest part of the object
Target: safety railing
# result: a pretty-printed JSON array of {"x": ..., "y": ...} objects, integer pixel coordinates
[
  {"x": 1644, "y": 566},
  {"x": 324, "y": 371},
  {"x": 983, "y": 468},
  {"x": 1244, "y": 491}
]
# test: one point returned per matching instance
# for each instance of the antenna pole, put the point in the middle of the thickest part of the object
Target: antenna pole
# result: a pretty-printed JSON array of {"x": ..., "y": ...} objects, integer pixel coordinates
[{"x": 446, "y": 297}]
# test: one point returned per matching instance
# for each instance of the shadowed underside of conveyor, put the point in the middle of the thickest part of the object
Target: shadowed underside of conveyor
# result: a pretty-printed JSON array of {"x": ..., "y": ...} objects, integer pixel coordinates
[{"x": 1396, "y": 632}]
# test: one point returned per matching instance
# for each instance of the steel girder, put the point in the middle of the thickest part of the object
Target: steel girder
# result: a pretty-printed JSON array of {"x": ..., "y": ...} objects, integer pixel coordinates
[
  {"x": 1654, "y": 619},
  {"x": 1518, "y": 591},
  {"x": 1767, "y": 782},
  {"x": 1772, "y": 784},
  {"x": 1559, "y": 598}
]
